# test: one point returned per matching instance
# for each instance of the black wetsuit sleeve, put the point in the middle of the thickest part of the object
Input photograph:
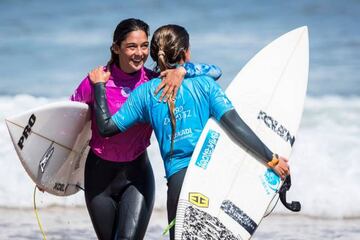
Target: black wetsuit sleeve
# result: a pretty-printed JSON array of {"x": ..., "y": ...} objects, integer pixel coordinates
[
  {"x": 242, "y": 133},
  {"x": 104, "y": 123}
]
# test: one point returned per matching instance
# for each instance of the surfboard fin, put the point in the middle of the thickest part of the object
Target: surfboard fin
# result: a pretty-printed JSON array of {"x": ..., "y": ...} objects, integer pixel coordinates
[{"x": 294, "y": 206}]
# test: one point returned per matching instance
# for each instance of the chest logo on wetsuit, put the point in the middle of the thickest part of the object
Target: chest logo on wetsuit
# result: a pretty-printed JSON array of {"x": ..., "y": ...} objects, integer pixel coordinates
[
  {"x": 27, "y": 131},
  {"x": 274, "y": 125},
  {"x": 125, "y": 91},
  {"x": 207, "y": 149},
  {"x": 198, "y": 199}
]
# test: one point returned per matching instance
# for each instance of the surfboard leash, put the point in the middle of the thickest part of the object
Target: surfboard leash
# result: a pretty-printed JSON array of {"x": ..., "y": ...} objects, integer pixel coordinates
[
  {"x": 77, "y": 186},
  {"x": 37, "y": 214},
  {"x": 272, "y": 209},
  {"x": 294, "y": 206},
  {"x": 167, "y": 229}
]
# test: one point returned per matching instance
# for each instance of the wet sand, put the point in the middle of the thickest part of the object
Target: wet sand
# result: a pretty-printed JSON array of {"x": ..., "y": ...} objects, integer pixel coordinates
[{"x": 74, "y": 223}]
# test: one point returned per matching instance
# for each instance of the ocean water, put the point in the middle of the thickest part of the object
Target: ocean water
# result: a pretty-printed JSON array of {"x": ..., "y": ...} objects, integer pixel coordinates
[{"x": 47, "y": 48}]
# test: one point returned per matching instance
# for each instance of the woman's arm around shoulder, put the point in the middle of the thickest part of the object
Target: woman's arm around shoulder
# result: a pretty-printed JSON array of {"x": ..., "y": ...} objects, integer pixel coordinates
[
  {"x": 197, "y": 69},
  {"x": 105, "y": 125},
  {"x": 172, "y": 78}
]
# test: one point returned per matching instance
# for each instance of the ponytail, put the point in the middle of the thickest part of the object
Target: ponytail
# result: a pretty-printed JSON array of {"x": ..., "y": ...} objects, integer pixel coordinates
[{"x": 168, "y": 47}]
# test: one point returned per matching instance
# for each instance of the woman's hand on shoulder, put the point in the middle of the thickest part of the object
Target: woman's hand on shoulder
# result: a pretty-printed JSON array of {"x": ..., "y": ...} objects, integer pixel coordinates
[
  {"x": 171, "y": 81},
  {"x": 282, "y": 168},
  {"x": 98, "y": 75}
]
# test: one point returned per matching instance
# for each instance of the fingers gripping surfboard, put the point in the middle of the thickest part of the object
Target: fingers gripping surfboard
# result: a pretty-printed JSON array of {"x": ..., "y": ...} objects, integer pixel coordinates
[
  {"x": 227, "y": 190},
  {"x": 52, "y": 144}
]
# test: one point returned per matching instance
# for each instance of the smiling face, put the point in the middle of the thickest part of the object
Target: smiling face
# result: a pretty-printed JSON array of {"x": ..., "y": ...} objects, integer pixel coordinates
[{"x": 133, "y": 51}]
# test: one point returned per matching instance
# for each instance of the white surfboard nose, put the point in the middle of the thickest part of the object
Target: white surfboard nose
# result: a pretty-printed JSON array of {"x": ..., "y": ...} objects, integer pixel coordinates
[
  {"x": 299, "y": 30},
  {"x": 52, "y": 142}
]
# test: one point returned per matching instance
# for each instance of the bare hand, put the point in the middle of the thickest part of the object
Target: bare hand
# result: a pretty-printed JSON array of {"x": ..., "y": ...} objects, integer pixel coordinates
[
  {"x": 99, "y": 75},
  {"x": 171, "y": 81},
  {"x": 282, "y": 168}
]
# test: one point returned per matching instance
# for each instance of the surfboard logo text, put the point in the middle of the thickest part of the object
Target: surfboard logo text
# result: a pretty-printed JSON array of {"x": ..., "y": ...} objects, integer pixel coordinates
[
  {"x": 207, "y": 149},
  {"x": 27, "y": 131},
  {"x": 59, "y": 187},
  {"x": 270, "y": 180},
  {"x": 77, "y": 162},
  {"x": 48, "y": 154},
  {"x": 274, "y": 125},
  {"x": 199, "y": 200},
  {"x": 200, "y": 223},
  {"x": 239, "y": 216}
]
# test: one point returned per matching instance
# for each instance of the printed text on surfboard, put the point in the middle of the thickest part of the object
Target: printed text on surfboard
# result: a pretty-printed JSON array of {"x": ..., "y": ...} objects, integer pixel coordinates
[
  {"x": 27, "y": 131},
  {"x": 207, "y": 149},
  {"x": 274, "y": 125}
]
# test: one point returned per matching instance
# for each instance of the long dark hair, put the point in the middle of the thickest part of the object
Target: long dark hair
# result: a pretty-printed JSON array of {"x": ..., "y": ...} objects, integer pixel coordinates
[
  {"x": 121, "y": 31},
  {"x": 168, "y": 47}
]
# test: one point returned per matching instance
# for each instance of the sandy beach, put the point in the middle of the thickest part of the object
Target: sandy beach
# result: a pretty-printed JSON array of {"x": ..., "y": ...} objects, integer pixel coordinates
[{"x": 74, "y": 223}]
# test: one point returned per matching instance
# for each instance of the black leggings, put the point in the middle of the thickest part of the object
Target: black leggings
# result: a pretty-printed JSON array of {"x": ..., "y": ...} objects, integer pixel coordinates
[
  {"x": 174, "y": 187},
  {"x": 119, "y": 196}
]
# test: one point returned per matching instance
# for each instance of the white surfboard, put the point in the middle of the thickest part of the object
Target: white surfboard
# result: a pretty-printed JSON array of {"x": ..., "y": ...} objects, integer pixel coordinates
[
  {"x": 227, "y": 190},
  {"x": 52, "y": 144}
]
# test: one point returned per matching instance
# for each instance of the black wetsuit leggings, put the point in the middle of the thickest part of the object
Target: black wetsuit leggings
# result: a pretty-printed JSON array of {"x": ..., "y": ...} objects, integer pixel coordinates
[
  {"x": 174, "y": 187},
  {"x": 119, "y": 196}
]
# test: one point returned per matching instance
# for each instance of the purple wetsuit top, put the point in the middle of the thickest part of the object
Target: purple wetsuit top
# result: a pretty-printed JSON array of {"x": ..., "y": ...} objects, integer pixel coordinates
[{"x": 123, "y": 147}]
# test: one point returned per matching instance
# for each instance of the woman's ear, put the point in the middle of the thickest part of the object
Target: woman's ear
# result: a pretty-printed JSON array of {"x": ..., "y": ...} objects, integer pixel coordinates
[
  {"x": 115, "y": 48},
  {"x": 187, "y": 55}
]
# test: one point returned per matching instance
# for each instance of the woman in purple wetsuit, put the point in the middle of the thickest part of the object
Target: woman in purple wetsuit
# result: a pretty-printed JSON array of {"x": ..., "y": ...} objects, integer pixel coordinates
[{"x": 119, "y": 182}]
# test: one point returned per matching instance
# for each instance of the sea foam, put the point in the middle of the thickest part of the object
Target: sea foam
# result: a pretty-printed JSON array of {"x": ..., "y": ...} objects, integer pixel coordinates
[{"x": 324, "y": 164}]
